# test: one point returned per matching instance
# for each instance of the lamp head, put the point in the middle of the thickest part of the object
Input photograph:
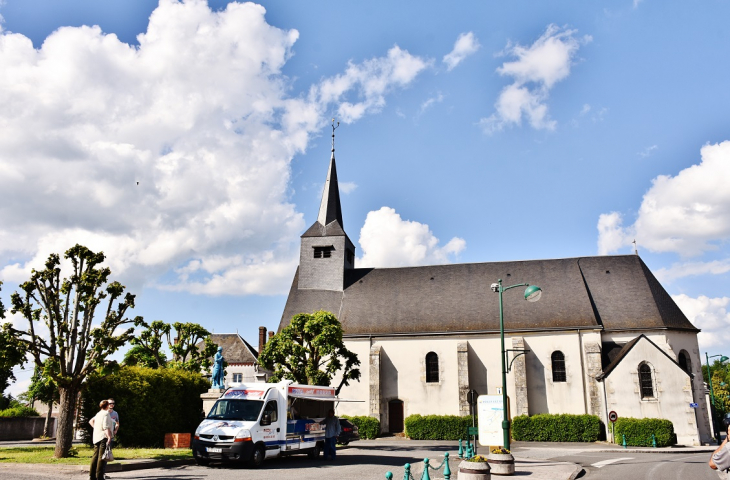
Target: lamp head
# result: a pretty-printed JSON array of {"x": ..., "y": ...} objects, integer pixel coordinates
[
  {"x": 533, "y": 293},
  {"x": 724, "y": 359}
]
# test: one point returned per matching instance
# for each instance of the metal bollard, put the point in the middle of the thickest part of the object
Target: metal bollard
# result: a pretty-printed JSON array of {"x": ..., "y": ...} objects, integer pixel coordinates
[
  {"x": 653, "y": 440},
  {"x": 624, "y": 437},
  {"x": 447, "y": 470},
  {"x": 461, "y": 450},
  {"x": 389, "y": 475},
  {"x": 425, "y": 475},
  {"x": 407, "y": 474}
]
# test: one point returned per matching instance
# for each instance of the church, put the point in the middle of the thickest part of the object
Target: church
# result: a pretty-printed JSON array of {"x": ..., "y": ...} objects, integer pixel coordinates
[{"x": 604, "y": 337}]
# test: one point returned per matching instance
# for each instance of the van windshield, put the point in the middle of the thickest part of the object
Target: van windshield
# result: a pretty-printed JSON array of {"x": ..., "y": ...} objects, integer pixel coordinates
[{"x": 246, "y": 410}]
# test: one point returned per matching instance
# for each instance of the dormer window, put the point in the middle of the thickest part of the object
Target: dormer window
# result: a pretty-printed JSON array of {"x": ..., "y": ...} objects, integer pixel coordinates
[{"x": 323, "y": 252}]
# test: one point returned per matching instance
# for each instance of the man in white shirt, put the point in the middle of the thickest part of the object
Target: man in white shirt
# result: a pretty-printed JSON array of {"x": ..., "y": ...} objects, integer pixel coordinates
[
  {"x": 114, "y": 415},
  {"x": 102, "y": 424}
]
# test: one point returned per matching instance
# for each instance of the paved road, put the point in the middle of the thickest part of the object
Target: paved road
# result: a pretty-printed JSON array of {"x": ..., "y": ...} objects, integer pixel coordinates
[{"x": 649, "y": 466}]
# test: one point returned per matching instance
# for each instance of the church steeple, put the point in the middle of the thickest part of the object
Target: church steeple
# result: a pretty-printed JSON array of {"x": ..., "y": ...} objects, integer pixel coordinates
[
  {"x": 330, "y": 209},
  {"x": 326, "y": 252}
]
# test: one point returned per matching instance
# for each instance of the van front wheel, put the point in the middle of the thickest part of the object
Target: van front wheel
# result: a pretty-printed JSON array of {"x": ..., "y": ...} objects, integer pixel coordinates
[{"x": 257, "y": 457}]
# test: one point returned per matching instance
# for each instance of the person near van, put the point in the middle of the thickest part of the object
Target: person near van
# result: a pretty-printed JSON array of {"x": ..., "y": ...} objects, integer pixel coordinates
[
  {"x": 102, "y": 424},
  {"x": 332, "y": 430},
  {"x": 114, "y": 415}
]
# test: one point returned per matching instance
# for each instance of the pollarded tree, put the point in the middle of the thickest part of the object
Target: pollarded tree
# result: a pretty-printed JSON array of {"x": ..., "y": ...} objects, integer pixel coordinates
[
  {"x": 310, "y": 351},
  {"x": 12, "y": 352},
  {"x": 191, "y": 347},
  {"x": 61, "y": 315},
  {"x": 43, "y": 389}
]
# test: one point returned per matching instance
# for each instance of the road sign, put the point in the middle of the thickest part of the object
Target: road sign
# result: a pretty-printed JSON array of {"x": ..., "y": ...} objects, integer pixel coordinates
[
  {"x": 471, "y": 397},
  {"x": 694, "y": 405},
  {"x": 612, "y": 416}
]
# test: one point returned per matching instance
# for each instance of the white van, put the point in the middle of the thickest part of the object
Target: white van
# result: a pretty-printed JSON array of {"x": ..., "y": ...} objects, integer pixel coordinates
[{"x": 255, "y": 421}]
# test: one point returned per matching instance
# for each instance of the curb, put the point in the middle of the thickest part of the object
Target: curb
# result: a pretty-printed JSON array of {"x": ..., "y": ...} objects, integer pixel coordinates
[
  {"x": 145, "y": 464},
  {"x": 652, "y": 450}
]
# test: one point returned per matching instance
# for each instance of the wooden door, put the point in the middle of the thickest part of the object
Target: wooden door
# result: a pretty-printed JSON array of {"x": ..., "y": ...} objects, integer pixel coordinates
[{"x": 395, "y": 416}]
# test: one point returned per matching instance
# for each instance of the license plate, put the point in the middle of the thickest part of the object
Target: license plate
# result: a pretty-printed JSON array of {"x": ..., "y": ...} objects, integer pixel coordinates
[{"x": 213, "y": 450}]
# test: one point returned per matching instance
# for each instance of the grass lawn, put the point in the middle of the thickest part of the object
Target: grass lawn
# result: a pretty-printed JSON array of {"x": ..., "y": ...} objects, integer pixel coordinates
[{"x": 45, "y": 455}]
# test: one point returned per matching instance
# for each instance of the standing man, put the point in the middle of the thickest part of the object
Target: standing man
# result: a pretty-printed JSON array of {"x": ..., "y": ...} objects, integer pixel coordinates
[
  {"x": 332, "y": 430},
  {"x": 102, "y": 425},
  {"x": 114, "y": 416}
]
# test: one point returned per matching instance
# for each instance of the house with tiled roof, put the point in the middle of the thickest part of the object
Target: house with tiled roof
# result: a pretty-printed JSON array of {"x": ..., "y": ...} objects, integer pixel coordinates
[
  {"x": 605, "y": 336},
  {"x": 241, "y": 357}
]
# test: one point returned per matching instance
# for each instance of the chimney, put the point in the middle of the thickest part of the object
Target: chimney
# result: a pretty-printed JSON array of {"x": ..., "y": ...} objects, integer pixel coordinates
[
  {"x": 262, "y": 338},
  {"x": 271, "y": 334}
]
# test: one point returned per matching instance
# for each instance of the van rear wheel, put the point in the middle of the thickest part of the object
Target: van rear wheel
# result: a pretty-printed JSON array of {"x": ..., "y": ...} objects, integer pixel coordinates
[
  {"x": 314, "y": 453},
  {"x": 203, "y": 462},
  {"x": 257, "y": 457}
]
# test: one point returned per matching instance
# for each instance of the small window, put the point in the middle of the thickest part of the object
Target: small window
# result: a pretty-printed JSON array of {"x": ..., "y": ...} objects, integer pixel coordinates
[
  {"x": 350, "y": 256},
  {"x": 272, "y": 411},
  {"x": 684, "y": 361},
  {"x": 558, "y": 365},
  {"x": 237, "y": 377},
  {"x": 645, "y": 381},
  {"x": 432, "y": 368},
  {"x": 323, "y": 252}
]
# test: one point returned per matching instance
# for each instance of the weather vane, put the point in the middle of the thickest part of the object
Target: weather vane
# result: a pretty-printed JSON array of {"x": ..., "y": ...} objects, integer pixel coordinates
[
  {"x": 334, "y": 127},
  {"x": 636, "y": 251}
]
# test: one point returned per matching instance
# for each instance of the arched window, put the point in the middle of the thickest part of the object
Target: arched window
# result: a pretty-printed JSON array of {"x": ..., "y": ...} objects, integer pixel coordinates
[
  {"x": 432, "y": 368},
  {"x": 684, "y": 361},
  {"x": 645, "y": 381},
  {"x": 558, "y": 363}
]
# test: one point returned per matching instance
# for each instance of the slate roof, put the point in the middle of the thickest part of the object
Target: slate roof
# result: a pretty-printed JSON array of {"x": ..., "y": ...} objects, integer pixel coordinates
[
  {"x": 625, "y": 351},
  {"x": 614, "y": 293},
  {"x": 235, "y": 348}
]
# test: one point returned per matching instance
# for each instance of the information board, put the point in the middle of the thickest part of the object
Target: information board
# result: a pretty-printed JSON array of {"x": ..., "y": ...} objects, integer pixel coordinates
[{"x": 491, "y": 414}]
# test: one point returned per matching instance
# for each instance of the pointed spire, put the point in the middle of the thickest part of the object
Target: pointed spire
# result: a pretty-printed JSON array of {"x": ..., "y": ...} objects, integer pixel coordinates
[{"x": 330, "y": 209}]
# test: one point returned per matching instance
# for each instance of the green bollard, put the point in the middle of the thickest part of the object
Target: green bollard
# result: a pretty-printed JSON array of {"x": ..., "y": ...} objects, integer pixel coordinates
[
  {"x": 624, "y": 437},
  {"x": 425, "y": 475},
  {"x": 447, "y": 470},
  {"x": 653, "y": 440},
  {"x": 461, "y": 450},
  {"x": 389, "y": 475},
  {"x": 407, "y": 474}
]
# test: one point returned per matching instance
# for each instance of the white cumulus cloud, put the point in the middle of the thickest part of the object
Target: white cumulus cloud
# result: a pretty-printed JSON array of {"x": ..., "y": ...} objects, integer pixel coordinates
[
  {"x": 687, "y": 214},
  {"x": 173, "y": 156},
  {"x": 389, "y": 241},
  {"x": 466, "y": 44},
  {"x": 711, "y": 315},
  {"x": 691, "y": 269},
  {"x": 537, "y": 69}
]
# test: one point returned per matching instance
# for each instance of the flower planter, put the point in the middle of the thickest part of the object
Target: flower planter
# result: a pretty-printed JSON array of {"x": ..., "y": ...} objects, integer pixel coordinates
[
  {"x": 474, "y": 471},
  {"x": 502, "y": 463}
]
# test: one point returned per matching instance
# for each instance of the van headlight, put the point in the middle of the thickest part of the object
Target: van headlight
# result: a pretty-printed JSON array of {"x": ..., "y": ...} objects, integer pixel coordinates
[{"x": 243, "y": 436}]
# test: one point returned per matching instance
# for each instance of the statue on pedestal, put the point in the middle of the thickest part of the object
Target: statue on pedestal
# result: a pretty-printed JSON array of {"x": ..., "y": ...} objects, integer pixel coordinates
[{"x": 217, "y": 377}]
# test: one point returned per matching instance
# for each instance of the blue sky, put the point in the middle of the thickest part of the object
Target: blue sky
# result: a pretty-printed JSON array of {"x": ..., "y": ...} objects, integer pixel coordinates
[{"x": 469, "y": 132}]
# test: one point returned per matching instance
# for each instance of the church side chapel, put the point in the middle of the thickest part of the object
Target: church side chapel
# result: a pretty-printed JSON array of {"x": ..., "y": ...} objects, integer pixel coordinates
[{"x": 605, "y": 335}]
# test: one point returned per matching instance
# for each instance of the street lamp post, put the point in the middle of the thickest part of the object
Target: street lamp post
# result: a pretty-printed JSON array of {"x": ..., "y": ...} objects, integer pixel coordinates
[
  {"x": 723, "y": 358},
  {"x": 532, "y": 294}
]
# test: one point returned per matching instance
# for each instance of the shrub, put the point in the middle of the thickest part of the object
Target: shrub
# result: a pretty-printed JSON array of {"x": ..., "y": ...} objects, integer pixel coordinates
[
  {"x": 557, "y": 428},
  {"x": 638, "y": 431},
  {"x": 150, "y": 402},
  {"x": 436, "y": 427},
  {"x": 19, "y": 411},
  {"x": 368, "y": 427}
]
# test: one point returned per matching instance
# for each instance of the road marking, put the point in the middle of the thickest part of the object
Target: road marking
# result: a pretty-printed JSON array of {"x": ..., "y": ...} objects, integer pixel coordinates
[{"x": 610, "y": 461}]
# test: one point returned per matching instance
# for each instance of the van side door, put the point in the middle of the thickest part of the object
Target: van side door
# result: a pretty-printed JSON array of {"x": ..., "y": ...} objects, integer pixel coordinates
[{"x": 271, "y": 432}]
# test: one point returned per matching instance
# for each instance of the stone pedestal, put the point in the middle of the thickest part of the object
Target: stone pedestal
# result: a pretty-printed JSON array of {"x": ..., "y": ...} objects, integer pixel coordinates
[{"x": 210, "y": 397}]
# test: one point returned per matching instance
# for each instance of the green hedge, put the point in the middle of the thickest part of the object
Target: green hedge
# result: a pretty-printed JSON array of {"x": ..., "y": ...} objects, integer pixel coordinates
[
  {"x": 557, "y": 428},
  {"x": 368, "y": 427},
  {"x": 18, "y": 412},
  {"x": 436, "y": 427},
  {"x": 638, "y": 431},
  {"x": 150, "y": 403}
]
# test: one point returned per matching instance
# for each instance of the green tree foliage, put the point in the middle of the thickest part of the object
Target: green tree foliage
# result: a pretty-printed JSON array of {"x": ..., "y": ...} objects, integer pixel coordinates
[
  {"x": 139, "y": 356},
  {"x": 66, "y": 309},
  {"x": 150, "y": 402},
  {"x": 557, "y": 428},
  {"x": 310, "y": 351},
  {"x": 12, "y": 352},
  {"x": 44, "y": 389},
  {"x": 187, "y": 352}
]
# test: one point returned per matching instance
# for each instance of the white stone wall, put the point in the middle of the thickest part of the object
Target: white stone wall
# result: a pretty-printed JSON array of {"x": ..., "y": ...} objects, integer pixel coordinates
[{"x": 672, "y": 390}]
